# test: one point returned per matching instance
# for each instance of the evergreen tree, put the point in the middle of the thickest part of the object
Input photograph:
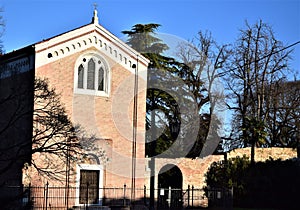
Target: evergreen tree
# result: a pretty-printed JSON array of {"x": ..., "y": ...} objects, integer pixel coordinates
[
  {"x": 173, "y": 129},
  {"x": 142, "y": 38}
]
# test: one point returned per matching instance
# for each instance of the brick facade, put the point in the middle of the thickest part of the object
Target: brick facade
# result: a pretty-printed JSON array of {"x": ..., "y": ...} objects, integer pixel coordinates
[{"x": 99, "y": 115}]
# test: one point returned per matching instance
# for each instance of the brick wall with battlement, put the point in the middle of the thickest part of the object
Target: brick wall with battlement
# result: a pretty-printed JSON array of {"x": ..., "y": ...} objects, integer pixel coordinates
[
  {"x": 262, "y": 154},
  {"x": 193, "y": 170}
]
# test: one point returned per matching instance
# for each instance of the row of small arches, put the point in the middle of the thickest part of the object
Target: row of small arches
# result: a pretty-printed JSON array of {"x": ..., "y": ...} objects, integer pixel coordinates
[{"x": 90, "y": 41}]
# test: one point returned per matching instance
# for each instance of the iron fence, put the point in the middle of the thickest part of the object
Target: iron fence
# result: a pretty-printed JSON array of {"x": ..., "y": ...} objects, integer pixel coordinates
[
  {"x": 53, "y": 197},
  {"x": 220, "y": 197}
]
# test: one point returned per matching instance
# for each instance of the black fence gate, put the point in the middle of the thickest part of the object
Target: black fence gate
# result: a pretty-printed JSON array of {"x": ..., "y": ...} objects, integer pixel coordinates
[
  {"x": 169, "y": 199},
  {"x": 220, "y": 197}
]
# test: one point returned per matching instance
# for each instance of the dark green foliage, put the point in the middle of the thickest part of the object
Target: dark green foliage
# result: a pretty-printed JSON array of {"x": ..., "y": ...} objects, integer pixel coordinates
[
  {"x": 275, "y": 184},
  {"x": 255, "y": 129},
  {"x": 270, "y": 184},
  {"x": 227, "y": 174},
  {"x": 162, "y": 70},
  {"x": 158, "y": 99},
  {"x": 141, "y": 38}
]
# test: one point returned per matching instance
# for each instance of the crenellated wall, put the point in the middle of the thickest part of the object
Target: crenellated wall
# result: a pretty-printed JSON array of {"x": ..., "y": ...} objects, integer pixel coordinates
[
  {"x": 193, "y": 170},
  {"x": 262, "y": 154}
]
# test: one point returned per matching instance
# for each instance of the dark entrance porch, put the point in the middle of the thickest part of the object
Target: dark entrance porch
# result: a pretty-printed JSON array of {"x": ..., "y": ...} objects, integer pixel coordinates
[{"x": 170, "y": 188}]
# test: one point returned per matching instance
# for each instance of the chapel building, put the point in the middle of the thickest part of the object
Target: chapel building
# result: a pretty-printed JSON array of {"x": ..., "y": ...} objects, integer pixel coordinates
[
  {"x": 102, "y": 84},
  {"x": 96, "y": 75}
]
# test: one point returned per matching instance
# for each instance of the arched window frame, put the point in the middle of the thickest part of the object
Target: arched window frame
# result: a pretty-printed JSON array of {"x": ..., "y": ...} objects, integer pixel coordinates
[{"x": 100, "y": 64}]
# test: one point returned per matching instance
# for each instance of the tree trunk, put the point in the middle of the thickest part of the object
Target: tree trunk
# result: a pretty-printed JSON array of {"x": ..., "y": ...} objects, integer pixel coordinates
[{"x": 253, "y": 152}]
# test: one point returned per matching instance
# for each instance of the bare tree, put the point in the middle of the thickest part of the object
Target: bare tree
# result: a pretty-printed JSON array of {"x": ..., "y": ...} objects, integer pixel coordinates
[
  {"x": 284, "y": 116},
  {"x": 205, "y": 58},
  {"x": 257, "y": 63},
  {"x": 56, "y": 142}
]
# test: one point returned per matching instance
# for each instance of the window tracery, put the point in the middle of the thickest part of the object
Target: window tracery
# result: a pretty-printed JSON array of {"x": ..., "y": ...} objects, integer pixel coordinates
[{"x": 92, "y": 76}]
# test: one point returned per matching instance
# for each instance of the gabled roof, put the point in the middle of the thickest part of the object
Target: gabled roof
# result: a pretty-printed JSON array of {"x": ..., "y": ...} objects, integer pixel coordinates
[{"x": 84, "y": 37}]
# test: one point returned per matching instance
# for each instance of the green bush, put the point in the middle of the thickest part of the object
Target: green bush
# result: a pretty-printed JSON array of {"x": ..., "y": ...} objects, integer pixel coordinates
[
  {"x": 227, "y": 174},
  {"x": 270, "y": 184}
]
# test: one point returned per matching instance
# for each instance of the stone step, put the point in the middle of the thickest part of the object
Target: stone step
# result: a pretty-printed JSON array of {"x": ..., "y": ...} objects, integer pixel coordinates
[
  {"x": 120, "y": 207},
  {"x": 91, "y": 208}
]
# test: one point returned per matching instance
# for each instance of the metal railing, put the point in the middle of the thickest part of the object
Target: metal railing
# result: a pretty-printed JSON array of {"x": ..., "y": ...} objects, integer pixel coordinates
[{"x": 52, "y": 197}]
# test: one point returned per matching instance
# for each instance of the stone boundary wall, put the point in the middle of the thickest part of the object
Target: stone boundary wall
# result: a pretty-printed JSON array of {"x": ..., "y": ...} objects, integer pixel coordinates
[
  {"x": 193, "y": 170},
  {"x": 263, "y": 154}
]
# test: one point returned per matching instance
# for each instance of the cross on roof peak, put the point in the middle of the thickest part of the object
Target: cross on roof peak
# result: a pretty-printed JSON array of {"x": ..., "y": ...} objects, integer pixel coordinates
[
  {"x": 95, "y": 6},
  {"x": 95, "y": 19}
]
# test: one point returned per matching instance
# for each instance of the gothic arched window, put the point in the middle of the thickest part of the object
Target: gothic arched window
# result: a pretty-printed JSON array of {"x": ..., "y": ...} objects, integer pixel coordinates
[
  {"x": 92, "y": 76},
  {"x": 80, "y": 76},
  {"x": 101, "y": 79}
]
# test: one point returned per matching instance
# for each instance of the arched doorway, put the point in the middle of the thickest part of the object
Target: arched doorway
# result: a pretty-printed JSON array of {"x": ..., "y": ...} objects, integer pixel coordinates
[{"x": 169, "y": 187}]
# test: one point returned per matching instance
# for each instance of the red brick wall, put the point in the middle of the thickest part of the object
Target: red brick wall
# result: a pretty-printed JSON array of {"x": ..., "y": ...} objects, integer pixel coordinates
[{"x": 100, "y": 120}]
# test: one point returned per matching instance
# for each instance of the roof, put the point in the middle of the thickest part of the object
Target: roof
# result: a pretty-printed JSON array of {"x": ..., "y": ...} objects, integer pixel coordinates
[
  {"x": 17, "y": 53},
  {"x": 81, "y": 38},
  {"x": 85, "y": 37}
]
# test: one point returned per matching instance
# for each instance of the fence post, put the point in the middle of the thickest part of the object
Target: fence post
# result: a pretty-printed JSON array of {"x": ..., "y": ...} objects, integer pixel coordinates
[
  {"x": 169, "y": 197},
  {"x": 124, "y": 195},
  {"x": 188, "y": 198},
  {"x": 46, "y": 195},
  {"x": 231, "y": 198},
  {"x": 44, "y": 200},
  {"x": 145, "y": 192},
  {"x": 192, "y": 195},
  {"x": 29, "y": 195}
]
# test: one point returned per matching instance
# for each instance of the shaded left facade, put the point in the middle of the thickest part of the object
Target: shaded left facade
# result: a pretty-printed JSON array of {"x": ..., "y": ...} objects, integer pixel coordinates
[{"x": 16, "y": 110}]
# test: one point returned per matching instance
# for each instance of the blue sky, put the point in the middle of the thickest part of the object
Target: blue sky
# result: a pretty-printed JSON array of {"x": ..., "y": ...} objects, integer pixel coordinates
[{"x": 30, "y": 21}]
